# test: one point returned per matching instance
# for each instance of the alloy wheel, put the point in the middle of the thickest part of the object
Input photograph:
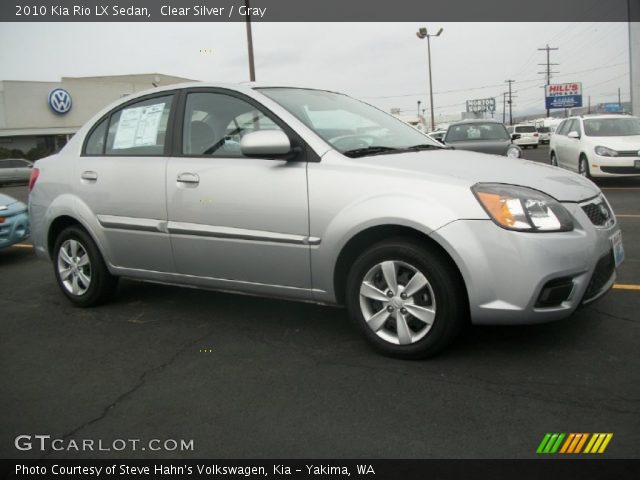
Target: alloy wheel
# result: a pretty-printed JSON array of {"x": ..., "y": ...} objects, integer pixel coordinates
[
  {"x": 397, "y": 302},
  {"x": 74, "y": 267}
]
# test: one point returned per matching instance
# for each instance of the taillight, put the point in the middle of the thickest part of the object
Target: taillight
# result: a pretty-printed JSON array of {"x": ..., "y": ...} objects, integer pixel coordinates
[
  {"x": 35, "y": 173},
  {"x": 535, "y": 134}
]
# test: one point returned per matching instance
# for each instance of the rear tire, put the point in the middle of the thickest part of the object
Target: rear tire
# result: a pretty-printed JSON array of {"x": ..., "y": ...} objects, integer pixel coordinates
[
  {"x": 80, "y": 269},
  {"x": 406, "y": 298}
]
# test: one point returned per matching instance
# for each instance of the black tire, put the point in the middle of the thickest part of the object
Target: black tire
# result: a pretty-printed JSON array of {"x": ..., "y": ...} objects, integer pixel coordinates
[
  {"x": 451, "y": 304},
  {"x": 583, "y": 163},
  {"x": 553, "y": 160},
  {"x": 102, "y": 284}
]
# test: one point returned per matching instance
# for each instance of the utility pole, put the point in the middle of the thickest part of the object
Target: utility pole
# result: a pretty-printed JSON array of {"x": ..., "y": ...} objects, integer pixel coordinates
[
  {"x": 510, "y": 102},
  {"x": 504, "y": 106},
  {"x": 619, "y": 101},
  {"x": 589, "y": 104},
  {"x": 252, "y": 68},
  {"x": 548, "y": 71}
]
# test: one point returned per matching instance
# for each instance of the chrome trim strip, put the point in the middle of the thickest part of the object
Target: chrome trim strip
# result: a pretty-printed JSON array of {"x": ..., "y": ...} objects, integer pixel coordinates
[
  {"x": 132, "y": 223},
  {"x": 182, "y": 228},
  {"x": 200, "y": 230}
]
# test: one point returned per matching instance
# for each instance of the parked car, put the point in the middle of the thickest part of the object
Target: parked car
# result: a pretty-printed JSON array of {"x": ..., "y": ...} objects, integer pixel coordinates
[
  {"x": 438, "y": 135},
  {"x": 14, "y": 221},
  {"x": 313, "y": 195},
  {"x": 524, "y": 135},
  {"x": 15, "y": 170},
  {"x": 545, "y": 135},
  {"x": 598, "y": 145},
  {"x": 485, "y": 136}
]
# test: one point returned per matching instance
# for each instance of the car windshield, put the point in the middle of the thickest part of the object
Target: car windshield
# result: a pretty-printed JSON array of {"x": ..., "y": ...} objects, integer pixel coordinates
[
  {"x": 471, "y": 132},
  {"x": 352, "y": 127},
  {"x": 612, "y": 127}
]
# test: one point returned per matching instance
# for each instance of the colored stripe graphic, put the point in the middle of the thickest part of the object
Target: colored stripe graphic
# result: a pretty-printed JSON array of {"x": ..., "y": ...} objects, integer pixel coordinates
[
  {"x": 573, "y": 443},
  {"x": 550, "y": 443}
]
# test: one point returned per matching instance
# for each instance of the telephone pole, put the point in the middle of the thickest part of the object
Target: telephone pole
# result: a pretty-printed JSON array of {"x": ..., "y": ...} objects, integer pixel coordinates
[
  {"x": 510, "y": 102},
  {"x": 548, "y": 71},
  {"x": 252, "y": 67},
  {"x": 504, "y": 106}
]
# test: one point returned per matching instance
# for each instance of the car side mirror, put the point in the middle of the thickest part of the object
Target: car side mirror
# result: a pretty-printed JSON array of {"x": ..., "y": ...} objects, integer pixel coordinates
[
  {"x": 515, "y": 136},
  {"x": 573, "y": 134},
  {"x": 265, "y": 143}
]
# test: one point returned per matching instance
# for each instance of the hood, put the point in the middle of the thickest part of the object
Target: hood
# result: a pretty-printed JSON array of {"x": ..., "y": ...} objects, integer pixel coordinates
[
  {"x": 631, "y": 142},
  {"x": 472, "y": 168},
  {"x": 6, "y": 200}
]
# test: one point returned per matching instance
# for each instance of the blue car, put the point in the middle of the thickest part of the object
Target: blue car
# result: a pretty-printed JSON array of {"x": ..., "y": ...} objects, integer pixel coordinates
[{"x": 14, "y": 221}]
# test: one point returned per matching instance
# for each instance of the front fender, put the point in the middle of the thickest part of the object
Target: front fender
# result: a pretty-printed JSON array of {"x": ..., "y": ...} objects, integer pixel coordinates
[{"x": 392, "y": 209}]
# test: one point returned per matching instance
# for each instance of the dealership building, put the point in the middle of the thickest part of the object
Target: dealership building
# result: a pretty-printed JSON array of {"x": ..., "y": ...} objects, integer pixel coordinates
[{"x": 47, "y": 114}]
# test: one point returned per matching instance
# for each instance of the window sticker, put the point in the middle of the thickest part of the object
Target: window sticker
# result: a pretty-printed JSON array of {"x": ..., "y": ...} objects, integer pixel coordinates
[{"x": 138, "y": 126}]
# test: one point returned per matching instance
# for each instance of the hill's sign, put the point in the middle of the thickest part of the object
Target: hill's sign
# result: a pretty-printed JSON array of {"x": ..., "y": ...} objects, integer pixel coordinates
[{"x": 563, "y": 95}]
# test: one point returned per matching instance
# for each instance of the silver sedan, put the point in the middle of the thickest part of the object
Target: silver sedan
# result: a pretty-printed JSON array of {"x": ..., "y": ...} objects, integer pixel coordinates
[{"x": 312, "y": 195}]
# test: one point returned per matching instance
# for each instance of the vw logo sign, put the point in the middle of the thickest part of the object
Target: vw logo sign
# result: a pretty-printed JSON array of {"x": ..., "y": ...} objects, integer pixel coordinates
[{"x": 60, "y": 100}]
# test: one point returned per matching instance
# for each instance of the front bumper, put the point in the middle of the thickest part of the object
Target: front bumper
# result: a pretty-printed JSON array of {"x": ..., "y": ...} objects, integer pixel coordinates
[
  {"x": 613, "y": 166},
  {"x": 14, "y": 229},
  {"x": 506, "y": 273}
]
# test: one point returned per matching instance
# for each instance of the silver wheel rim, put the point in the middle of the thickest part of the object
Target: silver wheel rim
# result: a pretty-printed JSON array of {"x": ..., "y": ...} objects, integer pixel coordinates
[
  {"x": 74, "y": 267},
  {"x": 397, "y": 302}
]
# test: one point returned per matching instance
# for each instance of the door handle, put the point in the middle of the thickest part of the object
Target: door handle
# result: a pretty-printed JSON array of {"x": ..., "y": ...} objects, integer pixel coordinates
[
  {"x": 89, "y": 175},
  {"x": 188, "y": 178}
]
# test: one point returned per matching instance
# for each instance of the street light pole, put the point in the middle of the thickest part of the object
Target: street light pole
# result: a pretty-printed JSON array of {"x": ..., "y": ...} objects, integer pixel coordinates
[{"x": 422, "y": 34}]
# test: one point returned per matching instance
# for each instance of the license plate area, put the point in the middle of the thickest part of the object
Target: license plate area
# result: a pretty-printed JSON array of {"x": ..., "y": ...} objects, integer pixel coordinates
[{"x": 618, "y": 248}]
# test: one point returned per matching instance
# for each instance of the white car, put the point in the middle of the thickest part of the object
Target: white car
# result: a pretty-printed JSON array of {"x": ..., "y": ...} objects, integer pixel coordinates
[
  {"x": 545, "y": 135},
  {"x": 524, "y": 135},
  {"x": 438, "y": 135},
  {"x": 598, "y": 146}
]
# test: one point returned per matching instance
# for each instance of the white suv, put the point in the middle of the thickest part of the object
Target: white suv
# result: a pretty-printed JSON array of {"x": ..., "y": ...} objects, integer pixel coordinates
[
  {"x": 524, "y": 135},
  {"x": 598, "y": 146}
]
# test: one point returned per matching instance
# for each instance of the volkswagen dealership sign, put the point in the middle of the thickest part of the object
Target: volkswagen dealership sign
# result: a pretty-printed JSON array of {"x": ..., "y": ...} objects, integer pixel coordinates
[
  {"x": 60, "y": 101},
  {"x": 563, "y": 95}
]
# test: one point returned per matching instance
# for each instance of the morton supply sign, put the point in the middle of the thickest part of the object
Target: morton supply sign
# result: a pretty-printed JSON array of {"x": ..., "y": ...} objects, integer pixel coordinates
[
  {"x": 563, "y": 95},
  {"x": 481, "y": 105}
]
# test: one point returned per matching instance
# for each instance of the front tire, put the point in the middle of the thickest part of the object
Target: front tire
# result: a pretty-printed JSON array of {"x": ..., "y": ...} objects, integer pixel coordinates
[
  {"x": 554, "y": 159},
  {"x": 406, "y": 298},
  {"x": 583, "y": 167},
  {"x": 80, "y": 269}
]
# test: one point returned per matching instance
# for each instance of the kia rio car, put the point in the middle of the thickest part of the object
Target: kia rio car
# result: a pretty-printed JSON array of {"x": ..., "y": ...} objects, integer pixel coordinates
[{"x": 312, "y": 195}]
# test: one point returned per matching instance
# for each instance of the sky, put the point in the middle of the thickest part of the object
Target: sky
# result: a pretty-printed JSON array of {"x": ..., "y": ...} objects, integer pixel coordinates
[{"x": 382, "y": 63}]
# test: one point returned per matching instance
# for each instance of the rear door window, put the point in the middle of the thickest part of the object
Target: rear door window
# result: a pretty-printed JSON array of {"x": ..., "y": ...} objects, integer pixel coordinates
[{"x": 139, "y": 128}]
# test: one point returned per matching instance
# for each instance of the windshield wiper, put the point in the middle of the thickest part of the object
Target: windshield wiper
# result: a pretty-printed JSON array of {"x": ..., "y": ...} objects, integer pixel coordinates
[
  {"x": 425, "y": 146},
  {"x": 372, "y": 150}
]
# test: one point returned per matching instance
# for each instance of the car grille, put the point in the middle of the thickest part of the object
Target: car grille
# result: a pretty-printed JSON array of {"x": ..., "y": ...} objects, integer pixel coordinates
[
  {"x": 629, "y": 153},
  {"x": 605, "y": 267},
  {"x": 599, "y": 213},
  {"x": 629, "y": 170}
]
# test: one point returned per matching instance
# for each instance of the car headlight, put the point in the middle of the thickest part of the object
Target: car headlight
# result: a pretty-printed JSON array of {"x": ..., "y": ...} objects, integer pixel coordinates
[
  {"x": 605, "y": 152},
  {"x": 513, "y": 152},
  {"x": 522, "y": 209}
]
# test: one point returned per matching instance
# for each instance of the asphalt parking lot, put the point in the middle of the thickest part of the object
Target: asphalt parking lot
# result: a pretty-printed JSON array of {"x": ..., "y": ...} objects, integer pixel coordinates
[{"x": 248, "y": 377}]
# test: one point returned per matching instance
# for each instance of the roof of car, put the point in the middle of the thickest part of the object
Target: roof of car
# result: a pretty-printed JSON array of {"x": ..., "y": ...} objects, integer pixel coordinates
[{"x": 475, "y": 120}]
